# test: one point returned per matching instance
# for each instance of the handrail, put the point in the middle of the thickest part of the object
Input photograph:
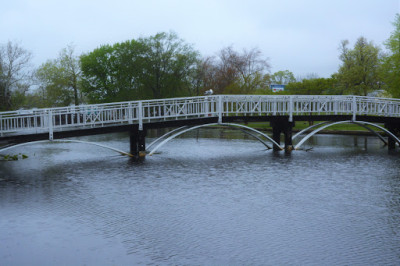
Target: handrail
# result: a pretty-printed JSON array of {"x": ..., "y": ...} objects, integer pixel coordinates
[{"x": 49, "y": 120}]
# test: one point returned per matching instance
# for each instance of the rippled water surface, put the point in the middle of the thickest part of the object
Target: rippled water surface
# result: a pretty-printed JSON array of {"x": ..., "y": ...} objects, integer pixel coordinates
[{"x": 207, "y": 200}]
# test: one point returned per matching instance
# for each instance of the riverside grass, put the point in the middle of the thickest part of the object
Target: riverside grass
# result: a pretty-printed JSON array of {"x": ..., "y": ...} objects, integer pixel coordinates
[{"x": 302, "y": 125}]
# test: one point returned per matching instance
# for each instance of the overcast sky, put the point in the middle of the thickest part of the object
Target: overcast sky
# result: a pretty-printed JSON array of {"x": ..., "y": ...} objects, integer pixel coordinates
[{"x": 301, "y": 36}]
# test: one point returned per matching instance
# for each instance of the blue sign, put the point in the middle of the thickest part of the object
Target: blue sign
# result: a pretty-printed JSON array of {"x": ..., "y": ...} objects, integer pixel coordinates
[{"x": 277, "y": 87}]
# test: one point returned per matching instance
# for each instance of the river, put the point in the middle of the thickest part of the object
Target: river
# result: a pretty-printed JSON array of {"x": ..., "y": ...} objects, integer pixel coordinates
[{"x": 212, "y": 197}]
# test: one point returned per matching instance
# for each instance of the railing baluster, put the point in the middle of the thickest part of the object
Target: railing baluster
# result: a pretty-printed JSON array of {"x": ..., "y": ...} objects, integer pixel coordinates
[
  {"x": 140, "y": 116},
  {"x": 36, "y": 121},
  {"x": 50, "y": 125},
  {"x": 291, "y": 108},
  {"x": 354, "y": 108}
]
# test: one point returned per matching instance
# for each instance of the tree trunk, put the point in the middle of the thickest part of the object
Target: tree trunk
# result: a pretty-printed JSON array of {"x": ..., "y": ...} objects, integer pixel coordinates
[{"x": 75, "y": 87}]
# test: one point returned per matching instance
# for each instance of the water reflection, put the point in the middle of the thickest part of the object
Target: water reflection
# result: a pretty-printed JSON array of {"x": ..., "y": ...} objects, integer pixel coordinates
[{"x": 209, "y": 197}]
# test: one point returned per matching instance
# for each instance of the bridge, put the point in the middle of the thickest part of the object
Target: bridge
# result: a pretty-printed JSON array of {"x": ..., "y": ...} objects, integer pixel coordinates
[{"x": 184, "y": 114}]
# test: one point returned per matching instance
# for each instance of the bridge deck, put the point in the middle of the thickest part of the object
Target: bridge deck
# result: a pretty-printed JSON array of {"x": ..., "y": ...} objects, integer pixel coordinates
[{"x": 69, "y": 121}]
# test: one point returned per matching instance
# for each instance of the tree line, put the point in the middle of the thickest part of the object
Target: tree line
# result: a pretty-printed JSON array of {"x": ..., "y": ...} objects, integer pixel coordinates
[{"x": 164, "y": 65}]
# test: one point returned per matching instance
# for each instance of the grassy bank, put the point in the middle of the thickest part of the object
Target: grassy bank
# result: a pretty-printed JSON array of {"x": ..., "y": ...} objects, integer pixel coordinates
[{"x": 350, "y": 129}]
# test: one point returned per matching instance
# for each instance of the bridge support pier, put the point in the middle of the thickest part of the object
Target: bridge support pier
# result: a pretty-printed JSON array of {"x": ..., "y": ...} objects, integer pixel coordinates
[
  {"x": 394, "y": 128},
  {"x": 137, "y": 139},
  {"x": 282, "y": 125}
]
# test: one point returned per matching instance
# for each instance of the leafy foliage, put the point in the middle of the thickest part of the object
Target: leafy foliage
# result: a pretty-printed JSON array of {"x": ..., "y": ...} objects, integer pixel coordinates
[
  {"x": 359, "y": 72},
  {"x": 391, "y": 62},
  {"x": 168, "y": 65},
  {"x": 59, "y": 79},
  {"x": 317, "y": 86},
  {"x": 282, "y": 77},
  {"x": 156, "y": 67},
  {"x": 15, "y": 157}
]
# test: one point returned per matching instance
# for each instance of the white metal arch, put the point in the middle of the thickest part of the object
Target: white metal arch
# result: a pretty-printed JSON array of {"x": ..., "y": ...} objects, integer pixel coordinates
[
  {"x": 162, "y": 143},
  {"x": 164, "y": 136},
  {"x": 372, "y": 131},
  {"x": 73, "y": 141},
  {"x": 256, "y": 137},
  {"x": 343, "y": 122},
  {"x": 329, "y": 122},
  {"x": 308, "y": 128}
]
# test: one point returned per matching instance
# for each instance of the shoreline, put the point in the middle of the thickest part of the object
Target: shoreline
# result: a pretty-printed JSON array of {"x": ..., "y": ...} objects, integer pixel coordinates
[{"x": 333, "y": 132}]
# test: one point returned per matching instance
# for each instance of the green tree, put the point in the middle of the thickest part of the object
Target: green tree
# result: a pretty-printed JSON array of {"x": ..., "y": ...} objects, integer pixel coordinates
[
  {"x": 159, "y": 66},
  {"x": 169, "y": 65},
  {"x": 53, "y": 87},
  {"x": 71, "y": 71},
  {"x": 359, "y": 72},
  {"x": 15, "y": 75},
  {"x": 391, "y": 63},
  {"x": 109, "y": 72},
  {"x": 316, "y": 86},
  {"x": 282, "y": 77},
  {"x": 59, "y": 80}
]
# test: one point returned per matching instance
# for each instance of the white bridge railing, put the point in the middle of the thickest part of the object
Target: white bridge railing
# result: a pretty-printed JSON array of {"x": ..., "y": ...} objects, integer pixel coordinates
[{"x": 49, "y": 120}]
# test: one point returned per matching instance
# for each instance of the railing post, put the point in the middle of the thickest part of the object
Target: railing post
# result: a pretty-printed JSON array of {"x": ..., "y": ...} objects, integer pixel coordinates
[
  {"x": 130, "y": 120},
  {"x": 140, "y": 115},
  {"x": 220, "y": 109},
  {"x": 291, "y": 108},
  {"x": 354, "y": 108},
  {"x": 206, "y": 106},
  {"x": 335, "y": 107},
  {"x": 50, "y": 125},
  {"x": 1, "y": 125}
]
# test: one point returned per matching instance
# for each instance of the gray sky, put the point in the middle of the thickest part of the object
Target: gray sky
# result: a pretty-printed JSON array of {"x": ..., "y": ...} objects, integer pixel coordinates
[{"x": 301, "y": 36}]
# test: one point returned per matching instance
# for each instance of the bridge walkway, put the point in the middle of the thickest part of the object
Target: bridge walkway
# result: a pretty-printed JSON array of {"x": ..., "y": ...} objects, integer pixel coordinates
[{"x": 281, "y": 112}]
